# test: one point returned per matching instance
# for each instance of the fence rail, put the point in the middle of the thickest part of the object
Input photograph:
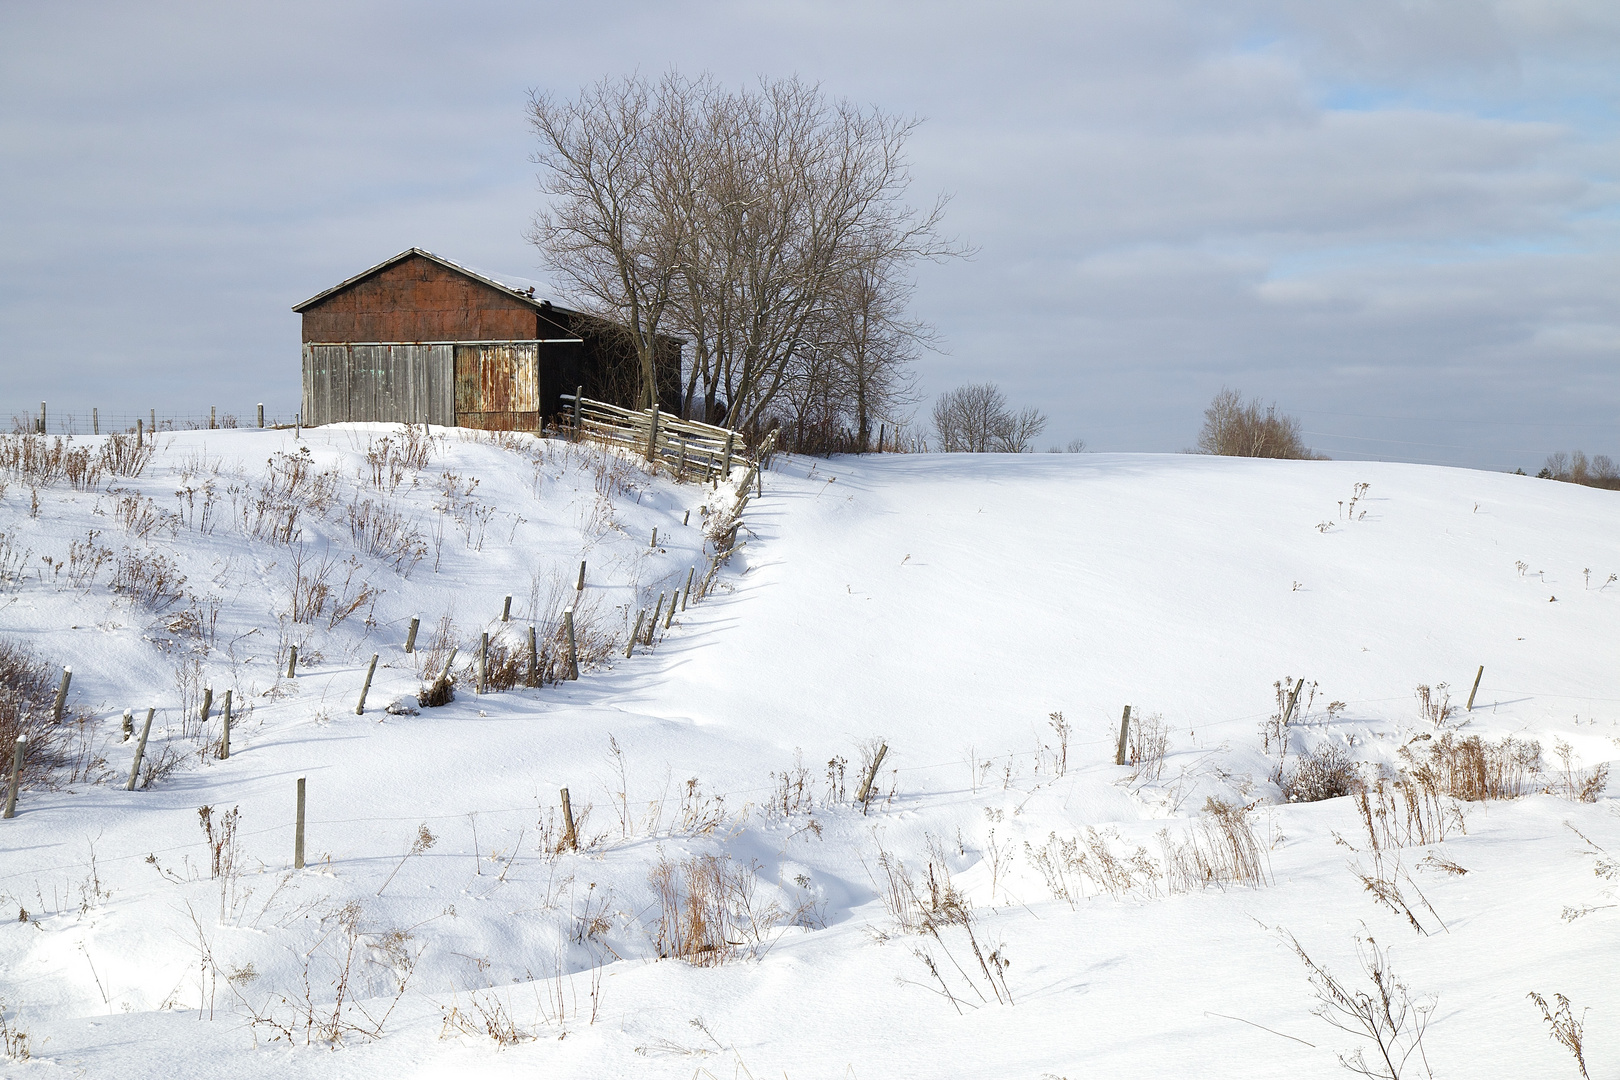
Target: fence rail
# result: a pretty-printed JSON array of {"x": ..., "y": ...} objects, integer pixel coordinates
[{"x": 689, "y": 448}]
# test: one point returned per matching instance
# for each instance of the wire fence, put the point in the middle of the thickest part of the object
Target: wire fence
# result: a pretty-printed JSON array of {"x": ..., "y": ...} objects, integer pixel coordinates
[{"x": 99, "y": 421}]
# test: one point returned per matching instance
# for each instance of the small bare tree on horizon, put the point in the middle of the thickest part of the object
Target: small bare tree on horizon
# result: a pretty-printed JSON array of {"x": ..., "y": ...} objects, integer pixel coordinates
[
  {"x": 1235, "y": 428},
  {"x": 975, "y": 419}
]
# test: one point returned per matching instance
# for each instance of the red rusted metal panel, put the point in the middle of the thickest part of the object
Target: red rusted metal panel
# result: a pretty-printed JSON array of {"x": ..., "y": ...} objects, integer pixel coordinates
[{"x": 417, "y": 299}]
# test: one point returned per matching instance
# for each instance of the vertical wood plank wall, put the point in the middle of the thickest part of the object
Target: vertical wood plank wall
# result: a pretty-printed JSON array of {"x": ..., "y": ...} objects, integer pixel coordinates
[{"x": 383, "y": 383}]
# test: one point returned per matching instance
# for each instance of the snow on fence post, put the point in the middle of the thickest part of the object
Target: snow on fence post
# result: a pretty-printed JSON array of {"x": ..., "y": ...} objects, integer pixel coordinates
[
  {"x": 1475, "y": 690},
  {"x": 207, "y": 704},
  {"x": 1124, "y": 734},
  {"x": 865, "y": 793},
  {"x": 16, "y": 776},
  {"x": 506, "y": 610},
  {"x": 573, "y": 648},
  {"x": 569, "y": 836},
  {"x": 483, "y": 662},
  {"x": 579, "y": 586},
  {"x": 61, "y": 696},
  {"x": 654, "y": 541},
  {"x": 365, "y": 688},
  {"x": 128, "y": 725},
  {"x": 292, "y": 661},
  {"x": 225, "y": 734},
  {"x": 410, "y": 635},
  {"x": 534, "y": 660},
  {"x": 635, "y": 635},
  {"x": 298, "y": 830},
  {"x": 140, "y": 749}
]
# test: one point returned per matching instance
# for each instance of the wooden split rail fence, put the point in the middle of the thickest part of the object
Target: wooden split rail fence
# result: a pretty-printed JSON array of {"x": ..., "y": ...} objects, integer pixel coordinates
[{"x": 689, "y": 449}]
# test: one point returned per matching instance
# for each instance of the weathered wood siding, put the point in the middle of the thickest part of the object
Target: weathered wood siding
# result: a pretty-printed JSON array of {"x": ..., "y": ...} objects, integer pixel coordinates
[
  {"x": 403, "y": 384},
  {"x": 420, "y": 300}
]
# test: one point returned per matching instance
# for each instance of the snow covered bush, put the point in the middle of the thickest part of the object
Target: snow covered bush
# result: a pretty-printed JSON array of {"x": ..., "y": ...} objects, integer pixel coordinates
[{"x": 1325, "y": 773}]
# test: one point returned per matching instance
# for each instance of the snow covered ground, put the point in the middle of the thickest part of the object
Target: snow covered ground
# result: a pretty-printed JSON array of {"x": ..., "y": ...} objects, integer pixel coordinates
[{"x": 943, "y": 606}]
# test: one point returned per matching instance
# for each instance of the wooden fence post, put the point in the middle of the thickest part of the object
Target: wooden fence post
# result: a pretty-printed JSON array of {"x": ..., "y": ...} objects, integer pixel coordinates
[
  {"x": 261, "y": 414},
  {"x": 483, "y": 662},
  {"x": 207, "y": 704},
  {"x": 42, "y": 418},
  {"x": 579, "y": 586},
  {"x": 1293, "y": 699},
  {"x": 211, "y": 423},
  {"x": 61, "y": 696},
  {"x": 153, "y": 425},
  {"x": 365, "y": 688},
  {"x": 534, "y": 660},
  {"x": 865, "y": 793},
  {"x": 687, "y": 595},
  {"x": 506, "y": 610},
  {"x": 579, "y": 394},
  {"x": 298, "y": 830},
  {"x": 1475, "y": 690},
  {"x": 725, "y": 465},
  {"x": 95, "y": 421},
  {"x": 670, "y": 614},
  {"x": 680, "y": 469},
  {"x": 292, "y": 661},
  {"x": 140, "y": 749},
  {"x": 573, "y": 648},
  {"x": 1124, "y": 733},
  {"x": 225, "y": 736},
  {"x": 654, "y": 541},
  {"x": 652, "y": 434},
  {"x": 569, "y": 836},
  {"x": 657, "y": 611},
  {"x": 410, "y": 635},
  {"x": 635, "y": 635},
  {"x": 139, "y": 429},
  {"x": 129, "y": 725},
  {"x": 880, "y": 438},
  {"x": 444, "y": 674},
  {"x": 16, "y": 776}
]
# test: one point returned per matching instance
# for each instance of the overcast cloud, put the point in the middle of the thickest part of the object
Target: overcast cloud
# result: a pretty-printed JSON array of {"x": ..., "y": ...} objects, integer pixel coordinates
[{"x": 1400, "y": 220}]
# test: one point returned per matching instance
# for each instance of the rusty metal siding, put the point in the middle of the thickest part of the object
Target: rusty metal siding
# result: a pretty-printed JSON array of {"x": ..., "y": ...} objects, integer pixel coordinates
[
  {"x": 497, "y": 378},
  {"x": 420, "y": 300}
]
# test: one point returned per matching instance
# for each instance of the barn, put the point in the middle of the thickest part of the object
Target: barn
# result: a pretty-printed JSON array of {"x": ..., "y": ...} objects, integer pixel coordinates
[{"x": 421, "y": 339}]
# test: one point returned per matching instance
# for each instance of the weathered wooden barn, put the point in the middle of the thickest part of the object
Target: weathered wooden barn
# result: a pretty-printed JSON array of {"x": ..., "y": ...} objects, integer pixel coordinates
[{"x": 421, "y": 339}]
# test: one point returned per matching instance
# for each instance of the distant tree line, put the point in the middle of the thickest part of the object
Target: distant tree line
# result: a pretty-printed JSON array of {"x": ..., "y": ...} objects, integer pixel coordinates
[
  {"x": 1598, "y": 471},
  {"x": 767, "y": 226}
]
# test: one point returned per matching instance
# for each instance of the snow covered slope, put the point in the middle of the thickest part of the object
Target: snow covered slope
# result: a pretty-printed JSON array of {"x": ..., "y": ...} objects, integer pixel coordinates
[{"x": 986, "y": 619}]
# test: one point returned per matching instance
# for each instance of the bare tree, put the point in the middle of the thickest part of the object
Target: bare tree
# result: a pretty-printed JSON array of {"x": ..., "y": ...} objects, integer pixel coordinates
[
  {"x": 975, "y": 419},
  {"x": 1234, "y": 428},
  {"x": 744, "y": 221},
  {"x": 607, "y": 158}
]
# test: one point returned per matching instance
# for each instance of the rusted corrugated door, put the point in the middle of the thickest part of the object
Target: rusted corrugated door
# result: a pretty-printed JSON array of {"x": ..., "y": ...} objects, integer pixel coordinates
[{"x": 498, "y": 385}]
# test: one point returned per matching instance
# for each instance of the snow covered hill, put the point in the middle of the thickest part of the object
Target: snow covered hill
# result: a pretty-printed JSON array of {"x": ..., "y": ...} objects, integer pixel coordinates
[{"x": 1007, "y": 901}]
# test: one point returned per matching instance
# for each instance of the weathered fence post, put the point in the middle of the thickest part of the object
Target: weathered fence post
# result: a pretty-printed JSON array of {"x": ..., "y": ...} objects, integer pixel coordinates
[
  {"x": 573, "y": 647},
  {"x": 534, "y": 660},
  {"x": 1124, "y": 734},
  {"x": 211, "y": 418},
  {"x": 652, "y": 433},
  {"x": 140, "y": 749},
  {"x": 506, "y": 610},
  {"x": 1288, "y": 713},
  {"x": 657, "y": 611},
  {"x": 669, "y": 615},
  {"x": 880, "y": 438},
  {"x": 16, "y": 776},
  {"x": 687, "y": 595},
  {"x": 298, "y": 830},
  {"x": 444, "y": 673},
  {"x": 298, "y": 425},
  {"x": 483, "y": 662},
  {"x": 61, "y": 696},
  {"x": 140, "y": 436},
  {"x": 680, "y": 469},
  {"x": 1475, "y": 690},
  {"x": 42, "y": 418},
  {"x": 862, "y": 796},
  {"x": 95, "y": 421},
  {"x": 569, "y": 836},
  {"x": 410, "y": 635},
  {"x": 635, "y": 636},
  {"x": 152, "y": 426},
  {"x": 365, "y": 688},
  {"x": 579, "y": 395},
  {"x": 207, "y": 704},
  {"x": 654, "y": 541},
  {"x": 129, "y": 725},
  {"x": 579, "y": 586},
  {"x": 292, "y": 661},
  {"x": 225, "y": 735},
  {"x": 725, "y": 465},
  {"x": 261, "y": 414}
]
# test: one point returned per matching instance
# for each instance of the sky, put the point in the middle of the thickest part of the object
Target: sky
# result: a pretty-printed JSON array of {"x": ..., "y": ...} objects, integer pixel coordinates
[{"x": 1398, "y": 220}]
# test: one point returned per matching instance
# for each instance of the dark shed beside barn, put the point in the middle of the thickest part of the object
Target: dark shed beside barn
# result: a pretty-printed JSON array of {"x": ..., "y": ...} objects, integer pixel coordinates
[{"x": 421, "y": 339}]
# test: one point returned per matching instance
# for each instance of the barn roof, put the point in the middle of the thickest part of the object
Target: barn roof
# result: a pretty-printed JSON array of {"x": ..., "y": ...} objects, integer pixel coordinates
[{"x": 516, "y": 287}]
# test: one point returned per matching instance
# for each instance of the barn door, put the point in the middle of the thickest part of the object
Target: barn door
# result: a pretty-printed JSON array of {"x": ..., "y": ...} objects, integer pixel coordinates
[{"x": 498, "y": 385}]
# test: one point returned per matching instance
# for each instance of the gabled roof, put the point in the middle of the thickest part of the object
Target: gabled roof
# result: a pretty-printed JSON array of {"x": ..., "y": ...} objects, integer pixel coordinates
[{"x": 518, "y": 288}]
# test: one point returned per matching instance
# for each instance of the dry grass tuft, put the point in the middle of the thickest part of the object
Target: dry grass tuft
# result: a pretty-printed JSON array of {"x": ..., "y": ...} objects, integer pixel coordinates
[
  {"x": 1475, "y": 770},
  {"x": 1220, "y": 850},
  {"x": 709, "y": 912}
]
